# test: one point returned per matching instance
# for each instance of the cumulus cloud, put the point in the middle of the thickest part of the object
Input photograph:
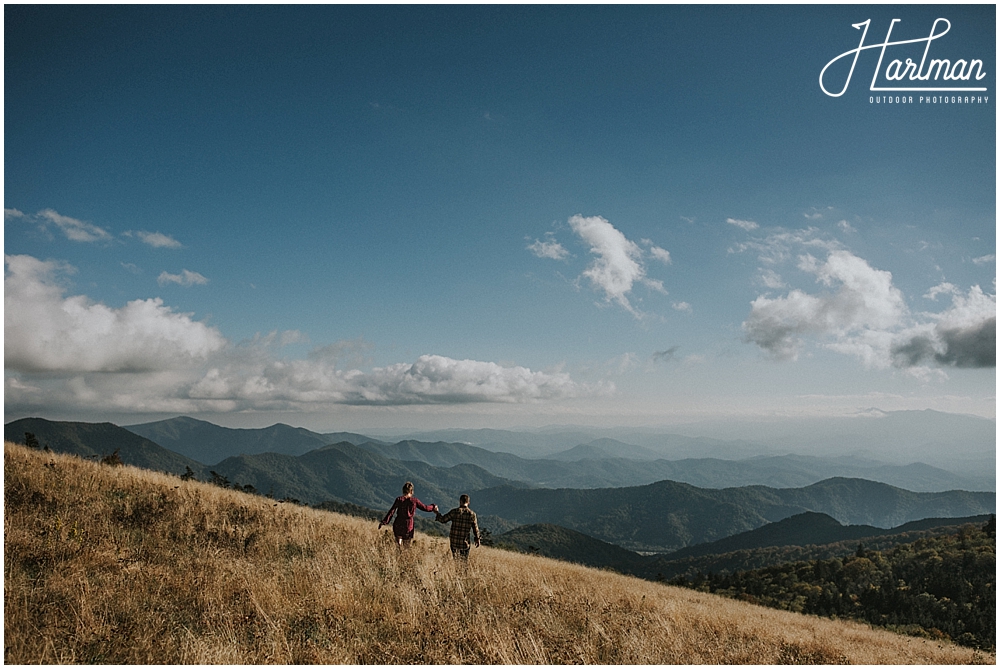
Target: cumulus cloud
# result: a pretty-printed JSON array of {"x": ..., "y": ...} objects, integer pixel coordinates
[
  {"x": 682, "y": 306},
  {"x": 617, "y": 265},
  {"x": 158, "y": 240},
  {"x": 745, "y": 225},
  {"x": 73, "y": 353},
  {"x": 860, "y": 313},
  {"x": 982, "y": 260},
  {"x": 186, "y": 278},
  {"x": 74, "y": 229},
  {"x": 963, "y": 336},
  {"x": 46, "y": 331},
  {"x": 548, "y": 249},
  {"x": 431, "y": 379},
  {"x": 845, "y": 226},
  {"x": 862, "y": 300},
  {"x": 12, "y": 213},
  {"x": 662, "y": 255}
]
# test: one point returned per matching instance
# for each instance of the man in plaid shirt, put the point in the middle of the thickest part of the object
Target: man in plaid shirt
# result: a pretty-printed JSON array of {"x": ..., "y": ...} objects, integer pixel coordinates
[{"x": 462, "y": 520}]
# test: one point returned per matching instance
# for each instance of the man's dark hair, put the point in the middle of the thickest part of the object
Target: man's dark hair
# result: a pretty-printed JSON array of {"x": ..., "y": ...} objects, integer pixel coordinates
[{"x": 464, "y": 499}]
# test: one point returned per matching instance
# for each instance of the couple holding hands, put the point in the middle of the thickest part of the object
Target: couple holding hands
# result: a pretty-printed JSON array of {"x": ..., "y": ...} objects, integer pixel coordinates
[{"x": 462, "y": 519}]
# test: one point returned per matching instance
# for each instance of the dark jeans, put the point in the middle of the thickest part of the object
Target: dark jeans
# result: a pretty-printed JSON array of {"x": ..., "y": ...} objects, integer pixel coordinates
[{"x": 460, "y": 553}]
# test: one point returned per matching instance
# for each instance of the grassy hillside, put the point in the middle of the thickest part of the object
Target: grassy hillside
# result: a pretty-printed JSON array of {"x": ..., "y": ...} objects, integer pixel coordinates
[{"x": 118, "y": 565}]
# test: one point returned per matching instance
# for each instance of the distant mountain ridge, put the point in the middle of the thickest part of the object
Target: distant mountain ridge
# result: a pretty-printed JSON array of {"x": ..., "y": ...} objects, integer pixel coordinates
[
  {"x": 210, "y": 443},
  {"x": 596, "y": 463},
  {"x": 590, "y": 466},
  {"x": 667, "y": 516},
  {"x": 958, "y": 443},
  {"x": 96, "y": 440}
]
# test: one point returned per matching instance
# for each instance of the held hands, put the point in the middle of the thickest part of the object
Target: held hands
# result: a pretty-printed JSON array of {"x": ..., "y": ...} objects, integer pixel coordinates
[{"x": 380, "y": 524}]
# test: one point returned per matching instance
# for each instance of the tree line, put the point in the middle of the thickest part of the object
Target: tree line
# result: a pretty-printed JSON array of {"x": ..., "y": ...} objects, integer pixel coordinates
[{"x": 939, "y": 588}]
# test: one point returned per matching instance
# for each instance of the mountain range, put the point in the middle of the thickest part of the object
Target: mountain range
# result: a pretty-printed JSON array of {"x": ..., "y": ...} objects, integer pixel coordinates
[
  {"x": 665, "y": 516},
  {"x": 958, "y": 443},
  {"x": 566, "y": 457},
  {"x": 662, "y": 516}
]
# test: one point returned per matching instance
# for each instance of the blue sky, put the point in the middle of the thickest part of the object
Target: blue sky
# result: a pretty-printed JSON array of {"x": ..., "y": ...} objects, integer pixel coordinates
[{"x": 360, "y": 217}]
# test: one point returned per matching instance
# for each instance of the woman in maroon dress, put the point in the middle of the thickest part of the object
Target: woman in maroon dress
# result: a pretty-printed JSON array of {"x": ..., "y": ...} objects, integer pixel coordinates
[{"x": 404, "y": 507}]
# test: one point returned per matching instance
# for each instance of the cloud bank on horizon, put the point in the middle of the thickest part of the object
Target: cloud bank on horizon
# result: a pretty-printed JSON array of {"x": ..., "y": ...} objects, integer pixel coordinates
[{"x": 145, "y": 357}]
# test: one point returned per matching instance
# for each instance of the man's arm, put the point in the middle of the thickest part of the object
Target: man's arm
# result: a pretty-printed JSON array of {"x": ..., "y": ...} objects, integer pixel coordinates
[
  {"x": 475, "y": 528},
  {"x": 446, "y": 518}
]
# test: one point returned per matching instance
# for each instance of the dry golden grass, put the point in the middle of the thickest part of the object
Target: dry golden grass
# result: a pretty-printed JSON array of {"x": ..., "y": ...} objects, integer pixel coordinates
[{"x": 120, "y": 565}]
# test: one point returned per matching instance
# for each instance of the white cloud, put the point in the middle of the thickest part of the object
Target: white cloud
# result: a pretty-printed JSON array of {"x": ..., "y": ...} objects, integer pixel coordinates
[
  {"x": 812, "y": 216},
  {"x": 549, "y": 249},
  {"x": 618, "y": 262},
  {"x": 864, "y": 303},
  {"x": 963, "y": 336},
  {"x": 75, "y": 230},
  {"x": 746, "y": 225},
  {"x": 662, "y": 255},
  {"x": 982, "y": 260},
  {"x": 185, "y": 278},
  {"x": 845, "y": 226},
  {"x": 12, "y": 213},
  {"x": 72, "y": 353},
  {"x": 778, "y": 246},
  {"x": 865, "y": 316},
  {"x": 158, "y": 240},
  {"x": 46, "y": 331},
  {"x": 432, "y": 379},
  {"x": 942, "y": 289},
  {"x": 771, "y": 279},
  {"x": 682, "y": 306}
]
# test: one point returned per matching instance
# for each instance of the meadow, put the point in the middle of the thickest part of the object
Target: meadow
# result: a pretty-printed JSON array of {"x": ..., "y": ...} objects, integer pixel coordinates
[{"x": 113, "y": 564}]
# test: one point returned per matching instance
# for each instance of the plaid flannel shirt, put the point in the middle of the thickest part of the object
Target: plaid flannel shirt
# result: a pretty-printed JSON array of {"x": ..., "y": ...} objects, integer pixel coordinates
[{"x": 462, "y": 519}]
